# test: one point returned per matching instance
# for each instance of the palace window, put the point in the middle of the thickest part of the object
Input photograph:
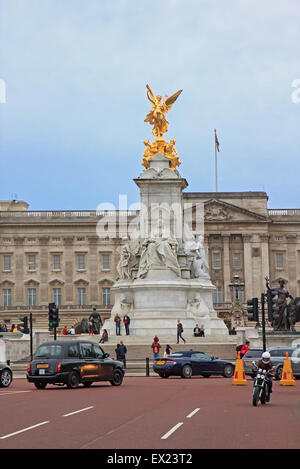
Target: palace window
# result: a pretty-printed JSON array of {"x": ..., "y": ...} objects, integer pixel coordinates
[
  {"x": 216, "y": 260},
  {"x": 31, "y": 262},
  {"x": 32, "y": 296},
  {"x": 105, "y": 261},
  {"x": 6, "y": 262},
  {"x": 279, "y": 260},
  {"x": 57, "y": 296},
  {"x": 6, "y": 297},
  {"x": 81, "y": 261},
  {"x": 237, "y": 260},
  {"x": 56, "y": 262},
  {"x": 218, "y": 295},
  {"x": 106, "y": 296},
  {"x": 81, "y": 296}
]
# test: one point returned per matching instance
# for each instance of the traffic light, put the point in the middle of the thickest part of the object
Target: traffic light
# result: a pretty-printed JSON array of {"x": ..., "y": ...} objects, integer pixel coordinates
[
  {"x": 272, "y": 304},
  {"x": 55, "y": 317},
  {"x": 24, "y": 325},
  {"x": 252, "y": 308},
  {"x": 52, "y": 308}
]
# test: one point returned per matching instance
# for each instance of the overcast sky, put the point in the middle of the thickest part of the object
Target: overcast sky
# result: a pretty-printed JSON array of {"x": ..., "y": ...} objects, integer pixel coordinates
[{"x": 75, "y": 73}]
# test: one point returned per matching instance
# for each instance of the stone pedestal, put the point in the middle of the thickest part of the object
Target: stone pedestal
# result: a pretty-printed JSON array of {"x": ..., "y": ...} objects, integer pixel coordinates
[{"x": 160, "y": 289}]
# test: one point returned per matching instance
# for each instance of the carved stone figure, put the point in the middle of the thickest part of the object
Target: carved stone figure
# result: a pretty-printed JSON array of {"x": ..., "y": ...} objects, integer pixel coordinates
[
  {"x": 237, "y": 314},
  {"x": 196, "y": 253},
  {"x": 127, "y": 260},
  {"x": 159, "y": 253}
]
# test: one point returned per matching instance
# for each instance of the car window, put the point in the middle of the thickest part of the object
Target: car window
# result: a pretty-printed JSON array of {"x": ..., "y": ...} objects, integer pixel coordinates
[
  {"x": 204, "y": 356},
  {"x": 253, "y": 354},
  {"x": 199, "y": 355},
  {"x": 98, "y": 352},
  {"x": 176, "y": 355},
  {"x": 48, "y": 351},
  {"x": 73, "y": 351},
  {"x": 86, "y": 351}
]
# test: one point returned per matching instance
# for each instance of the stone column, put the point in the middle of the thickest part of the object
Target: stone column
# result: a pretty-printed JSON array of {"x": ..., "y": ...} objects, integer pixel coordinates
[
  {"x": 226, "y": 268},
  {"x": 265, "y": 264},
  {"x": 44, "y": 269},
  {"x": 291, "y": 261},
  {"x": 93, "y": 267},
  {"x": 248, "y": 266},
  {"x": 69, "y": 269},
  {"x": 19, "y": 275}
]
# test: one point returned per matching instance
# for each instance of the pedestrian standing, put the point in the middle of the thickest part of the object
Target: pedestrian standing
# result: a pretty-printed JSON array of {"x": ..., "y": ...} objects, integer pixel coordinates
[
  {"x": 124, "y": 351},
  {"x": 155, "y": 348},
  {"x": 126, "y": 321},
  {"x": 179, "y": 332},
  {"x": 202, "y": 331},
  {"x": 118, "y": 324}
]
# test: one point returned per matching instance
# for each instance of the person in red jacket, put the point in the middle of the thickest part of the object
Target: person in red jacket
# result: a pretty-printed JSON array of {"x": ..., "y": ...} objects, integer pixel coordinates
[
  {"x": 155, "y": 348},
  {"x": 244, "y": 348}
]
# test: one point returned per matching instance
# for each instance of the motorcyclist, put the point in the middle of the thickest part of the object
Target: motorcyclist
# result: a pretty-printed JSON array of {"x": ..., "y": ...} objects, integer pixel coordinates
[{"x": 266, "y": 364}]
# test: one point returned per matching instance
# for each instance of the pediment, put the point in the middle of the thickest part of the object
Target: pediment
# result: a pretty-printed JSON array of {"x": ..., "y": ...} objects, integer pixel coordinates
[
  {"x": 81, "y": 281},
  {"x": 31, "y": 281},
  {"x": 7, "y": 282},
  {"x": 106, "y": 281},
  {"x": 220, "y": 211},
  {"x": 56, "y": 281}
]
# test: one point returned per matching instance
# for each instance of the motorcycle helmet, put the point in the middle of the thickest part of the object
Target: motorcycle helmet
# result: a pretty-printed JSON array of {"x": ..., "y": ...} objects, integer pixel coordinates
[{"x": 266, "y": 357}]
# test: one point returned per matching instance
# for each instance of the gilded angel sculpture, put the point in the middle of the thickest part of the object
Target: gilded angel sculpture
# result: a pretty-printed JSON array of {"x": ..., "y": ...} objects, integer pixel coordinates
[{"x": 161, "y": 105}]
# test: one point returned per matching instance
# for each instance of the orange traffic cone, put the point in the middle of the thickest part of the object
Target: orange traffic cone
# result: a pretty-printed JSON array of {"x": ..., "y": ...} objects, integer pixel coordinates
[
  {"x": 287, "y": 378},
  {"x": 239, "y": 373}
]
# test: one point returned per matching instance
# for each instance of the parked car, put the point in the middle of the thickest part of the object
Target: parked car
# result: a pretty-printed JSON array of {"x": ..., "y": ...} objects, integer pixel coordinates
[
  {"x": 6, "y": 375},
  {"x": 278, "y": 355},
  {"x": 71, "y": 362},
  {"x": 192, "y": 363}
]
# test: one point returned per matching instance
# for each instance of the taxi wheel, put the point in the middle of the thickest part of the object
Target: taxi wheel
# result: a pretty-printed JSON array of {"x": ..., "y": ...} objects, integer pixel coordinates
[
  {"x": 73, "y": 380},
  {"x": 117, "y": 378},
  {"x": 187, "y": 371},
  {"x": 5, "y": 378},
  {"x": 40, "y": 385}
]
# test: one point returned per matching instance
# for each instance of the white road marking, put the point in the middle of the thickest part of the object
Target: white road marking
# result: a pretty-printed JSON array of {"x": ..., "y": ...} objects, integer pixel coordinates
[
  {"x": 2, "y": 393},
  {"x": 23, "y": 430},
  {"x": 77, "y": 411},
  {"x": 193, "y": 413},
  {"x": 169, "y": 433}
]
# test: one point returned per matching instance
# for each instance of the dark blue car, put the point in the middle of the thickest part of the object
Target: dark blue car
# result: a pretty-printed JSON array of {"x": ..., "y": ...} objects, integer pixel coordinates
[{"x": 192, "y": 363}]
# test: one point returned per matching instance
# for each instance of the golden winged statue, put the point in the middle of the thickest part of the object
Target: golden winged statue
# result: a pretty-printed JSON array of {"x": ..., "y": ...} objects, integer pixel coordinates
[{"x": 161, "y": 105}]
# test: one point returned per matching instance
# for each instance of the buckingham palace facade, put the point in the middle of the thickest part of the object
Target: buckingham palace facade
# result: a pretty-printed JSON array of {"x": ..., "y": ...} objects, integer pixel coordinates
[{"x": 58, "y": 256}]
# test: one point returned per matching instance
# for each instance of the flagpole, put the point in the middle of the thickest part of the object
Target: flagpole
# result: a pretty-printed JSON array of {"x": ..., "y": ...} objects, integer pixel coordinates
[{"x": 216, "y": 162}]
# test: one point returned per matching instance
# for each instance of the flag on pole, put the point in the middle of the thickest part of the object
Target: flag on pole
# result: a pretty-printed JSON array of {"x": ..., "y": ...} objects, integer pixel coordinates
[{"x": 217, "y": 142}]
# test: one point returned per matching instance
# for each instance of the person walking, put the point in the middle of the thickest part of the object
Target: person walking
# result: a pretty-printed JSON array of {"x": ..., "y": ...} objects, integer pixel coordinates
[
  {"x": 126, "y": 321},
  {"x": 155, "y": 348},
  {"x": 179, "y": 332},
  {"x": 118, "y": 324}
]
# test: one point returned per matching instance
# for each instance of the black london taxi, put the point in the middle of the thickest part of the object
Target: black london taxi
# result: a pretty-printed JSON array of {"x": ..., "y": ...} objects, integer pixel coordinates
[{"x": 72, "y": 362}]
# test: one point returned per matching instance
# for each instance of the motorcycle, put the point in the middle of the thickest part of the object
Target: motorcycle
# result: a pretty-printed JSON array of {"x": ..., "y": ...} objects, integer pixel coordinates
[{"x": 260, "y": 387}]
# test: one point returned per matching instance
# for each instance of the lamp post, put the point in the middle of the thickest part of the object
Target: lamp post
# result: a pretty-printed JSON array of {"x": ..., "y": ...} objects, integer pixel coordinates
[{"x": 235, "y": 287}]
